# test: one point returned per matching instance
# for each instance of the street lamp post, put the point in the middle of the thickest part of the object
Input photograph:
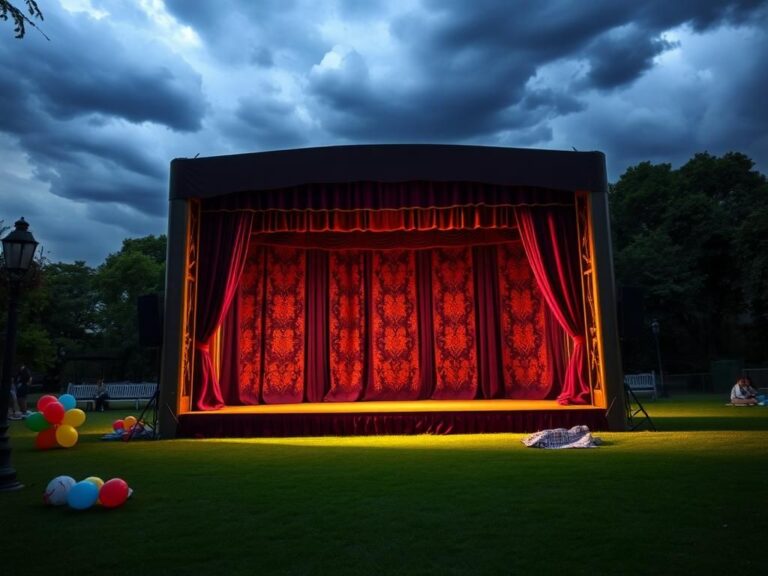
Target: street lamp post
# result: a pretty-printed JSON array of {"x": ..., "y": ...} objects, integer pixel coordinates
[
  {"x": 18, "y": 251},
  {"x": 656, "y": 328}
]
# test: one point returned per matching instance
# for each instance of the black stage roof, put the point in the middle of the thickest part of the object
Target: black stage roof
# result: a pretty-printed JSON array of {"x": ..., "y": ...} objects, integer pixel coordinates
[{"x": 550, "y": 169}]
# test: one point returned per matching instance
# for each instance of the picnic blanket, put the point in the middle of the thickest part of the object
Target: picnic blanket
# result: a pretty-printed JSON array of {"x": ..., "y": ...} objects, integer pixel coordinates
[{"x": 559, "y": 438}]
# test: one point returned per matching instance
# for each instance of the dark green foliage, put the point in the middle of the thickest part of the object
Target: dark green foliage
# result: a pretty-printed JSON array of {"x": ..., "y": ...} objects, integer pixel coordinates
[
  {"x": 20, "y": 20},
  {"x": 695, "y": 239},
  {"x": 71, "y": 310},
  {"x": 137, "y": 269}
]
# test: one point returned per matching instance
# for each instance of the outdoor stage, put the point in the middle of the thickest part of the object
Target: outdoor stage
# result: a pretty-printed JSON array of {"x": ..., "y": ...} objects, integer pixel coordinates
[
  {"x": 381, "y": 418},
  {"x": 389, "y": 289}
]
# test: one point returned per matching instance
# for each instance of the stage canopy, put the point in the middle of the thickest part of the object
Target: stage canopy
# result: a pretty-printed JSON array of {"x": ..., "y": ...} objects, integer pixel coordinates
[{"x": 389, "y": 273}]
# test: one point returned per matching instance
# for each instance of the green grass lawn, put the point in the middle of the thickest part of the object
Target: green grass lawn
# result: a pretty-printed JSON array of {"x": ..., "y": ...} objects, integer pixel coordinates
[{"x": 689, "y": 499}]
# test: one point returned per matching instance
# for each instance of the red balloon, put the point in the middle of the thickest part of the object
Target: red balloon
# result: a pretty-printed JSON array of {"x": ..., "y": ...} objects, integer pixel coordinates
[
  {"x": 118, "y": 425},
  {"x": 46, "y": 439},
  {"x": 44, "y": 401},
  {"x": 113, "y": 493},
  {"x": 54, "y": 412}
]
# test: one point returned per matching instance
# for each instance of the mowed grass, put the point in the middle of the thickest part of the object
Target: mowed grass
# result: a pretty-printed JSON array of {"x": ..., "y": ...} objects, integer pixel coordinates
[{"x": 686, "y": 500}]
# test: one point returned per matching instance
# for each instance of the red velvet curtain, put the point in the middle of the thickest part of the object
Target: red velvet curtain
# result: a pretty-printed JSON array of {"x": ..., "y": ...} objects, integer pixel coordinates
[
  {"x": 224, "y": 239},
  {"x": 445, "y": 302},
  {"x": 346, "y": 326},
  {"x": 453, "y": 313},
  {"x": 550, "y": 241},
  {"x": 525, "y": 354},
  {"x": 329, "y": 326}
]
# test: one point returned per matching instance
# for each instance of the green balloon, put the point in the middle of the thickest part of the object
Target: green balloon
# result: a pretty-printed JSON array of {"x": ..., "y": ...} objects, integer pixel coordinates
[{"x": 37, "y": 422}]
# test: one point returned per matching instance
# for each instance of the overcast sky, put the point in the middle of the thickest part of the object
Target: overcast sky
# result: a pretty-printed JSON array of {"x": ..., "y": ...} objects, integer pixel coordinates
[{"x": 90, "y": 120}]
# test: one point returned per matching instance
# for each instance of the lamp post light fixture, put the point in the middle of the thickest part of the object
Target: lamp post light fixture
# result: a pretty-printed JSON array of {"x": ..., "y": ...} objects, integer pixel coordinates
[
  {"x": 656, "y": 329},
  {"x": 18, "y": 252}
]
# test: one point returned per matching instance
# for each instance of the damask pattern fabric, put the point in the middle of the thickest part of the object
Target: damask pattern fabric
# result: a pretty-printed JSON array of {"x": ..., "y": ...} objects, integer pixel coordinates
[
  {"x": 284, "y": 326},
  {"x": 346, "y": 326},
  {"x": 454, "y": 324},
  {"x": 525, "y": 361},
  {"x": 394, "y": 326},
  {"x": 251, "y": 324}
]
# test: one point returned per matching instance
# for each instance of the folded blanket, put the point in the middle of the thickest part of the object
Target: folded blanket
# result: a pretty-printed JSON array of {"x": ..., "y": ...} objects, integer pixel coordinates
[{"x": 557, "y": 438}]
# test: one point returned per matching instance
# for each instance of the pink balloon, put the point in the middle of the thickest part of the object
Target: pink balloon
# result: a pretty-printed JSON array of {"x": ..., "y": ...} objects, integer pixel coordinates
[
  {"x": 113, "y": 493},
  {"x": 44, "y": 401},
  {"x": 54, "y": 412}
]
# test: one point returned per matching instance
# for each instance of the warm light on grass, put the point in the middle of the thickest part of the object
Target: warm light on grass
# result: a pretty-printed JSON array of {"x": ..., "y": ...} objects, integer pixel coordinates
[{"x": 645, "y": 503}]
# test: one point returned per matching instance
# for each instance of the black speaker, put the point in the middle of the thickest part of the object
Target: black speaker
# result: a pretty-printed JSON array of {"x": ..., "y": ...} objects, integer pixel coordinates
[
  {"x": 150, "y": 311},
  {"x": 631, "y": 313}
]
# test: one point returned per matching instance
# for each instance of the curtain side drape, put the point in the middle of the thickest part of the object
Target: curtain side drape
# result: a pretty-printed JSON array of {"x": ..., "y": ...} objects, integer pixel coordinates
[
  {"x": 224, "y": 239},
  {"x": 550, "y": 241}
]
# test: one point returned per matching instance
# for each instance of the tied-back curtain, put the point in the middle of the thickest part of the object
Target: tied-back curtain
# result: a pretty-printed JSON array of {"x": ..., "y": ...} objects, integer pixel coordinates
[
  {"x": 224, "y": 239},
  {"x": 550, "y": 241}
]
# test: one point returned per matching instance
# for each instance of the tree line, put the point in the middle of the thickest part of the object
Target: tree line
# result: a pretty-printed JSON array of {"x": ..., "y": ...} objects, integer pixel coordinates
[
  {"x": 80, "y": 322},
  {"x": 692, "y": 240}
]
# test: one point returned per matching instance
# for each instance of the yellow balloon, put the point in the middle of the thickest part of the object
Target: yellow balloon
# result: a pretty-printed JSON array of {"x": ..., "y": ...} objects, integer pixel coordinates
[
  {"x": 96, "y": 480},
  {"x": 129, "y": 421},
  {"x": 66, "y": 436},
  {"x": 74, "y": 417}
]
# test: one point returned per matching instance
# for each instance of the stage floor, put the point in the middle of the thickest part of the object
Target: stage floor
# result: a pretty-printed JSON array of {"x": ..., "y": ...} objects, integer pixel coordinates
[
  {"x": 399, "y": 406},
  {"x": 375, "y": 418}
]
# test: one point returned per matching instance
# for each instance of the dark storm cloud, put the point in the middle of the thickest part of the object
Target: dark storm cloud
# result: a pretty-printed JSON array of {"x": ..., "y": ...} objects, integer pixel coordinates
[
  {"x": 236, "y": 31},
  {"x": 85, "y": 70},
  {"x": 267, "y": 123},
  {"x": 621, "y": 57},
  {"x": 71, "y": 103},
  {"x": 470, "y": 64}
]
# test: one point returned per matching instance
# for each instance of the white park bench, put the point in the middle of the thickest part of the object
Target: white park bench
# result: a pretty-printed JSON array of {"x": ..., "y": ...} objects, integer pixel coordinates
[
  {"x": 641, "y": 383},
  {"x": 118, "y": 392}
]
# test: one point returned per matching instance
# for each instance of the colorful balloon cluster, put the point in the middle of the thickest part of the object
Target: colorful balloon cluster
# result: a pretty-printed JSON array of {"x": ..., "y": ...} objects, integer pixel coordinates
[
  {"x": 56, "y": 421},
  {"x": 124, "y": 424},
  {"x": 84, "y": 494}
]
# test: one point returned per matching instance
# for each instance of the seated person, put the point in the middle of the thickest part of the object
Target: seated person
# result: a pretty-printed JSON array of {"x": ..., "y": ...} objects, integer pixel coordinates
[
  {"x": 101, "y": 397},
  {"x": 742, "y": 393}
]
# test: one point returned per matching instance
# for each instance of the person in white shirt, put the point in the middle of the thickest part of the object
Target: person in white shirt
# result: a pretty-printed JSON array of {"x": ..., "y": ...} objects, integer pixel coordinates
[{"x": 742, "y": 393}]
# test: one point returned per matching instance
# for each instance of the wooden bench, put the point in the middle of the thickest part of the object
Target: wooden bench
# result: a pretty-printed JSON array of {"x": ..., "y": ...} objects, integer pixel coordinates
[
  {"x": 641, "y": 383},
  {"x": 117, "y": 391}
]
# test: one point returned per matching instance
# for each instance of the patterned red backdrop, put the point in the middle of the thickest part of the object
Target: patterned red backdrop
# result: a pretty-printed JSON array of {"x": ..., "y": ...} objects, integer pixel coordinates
[
  {"x": 372, "y": 332},
  {"x": 523, "y": 336},
  {"x": 346, "y": 326},
  {"x": 394, "y": 328},
  {"x": 453, "y": 300},
  {"x": 284, "y": 326}
]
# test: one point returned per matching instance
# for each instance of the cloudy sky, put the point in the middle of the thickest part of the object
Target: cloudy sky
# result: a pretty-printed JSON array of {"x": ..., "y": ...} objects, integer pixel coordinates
[{"x": 90, "y": 120}]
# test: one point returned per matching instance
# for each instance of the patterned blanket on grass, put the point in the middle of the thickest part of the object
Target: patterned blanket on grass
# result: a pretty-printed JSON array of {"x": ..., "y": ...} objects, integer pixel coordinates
[{"x": 558, "y": 438}]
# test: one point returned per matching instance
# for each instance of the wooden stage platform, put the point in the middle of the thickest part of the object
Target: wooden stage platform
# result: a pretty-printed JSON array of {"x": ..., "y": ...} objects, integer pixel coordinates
[{"x": 381, "y": 418}]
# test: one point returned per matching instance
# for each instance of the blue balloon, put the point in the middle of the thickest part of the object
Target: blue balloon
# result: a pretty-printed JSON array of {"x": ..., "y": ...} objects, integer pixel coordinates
[
  {"x": 68, "y": 401},
  {"x": 83, "y": 495}
]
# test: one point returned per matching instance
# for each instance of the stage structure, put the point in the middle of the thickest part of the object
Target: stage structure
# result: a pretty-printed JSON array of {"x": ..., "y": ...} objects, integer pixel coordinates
[{"x": 389, "y": 289}]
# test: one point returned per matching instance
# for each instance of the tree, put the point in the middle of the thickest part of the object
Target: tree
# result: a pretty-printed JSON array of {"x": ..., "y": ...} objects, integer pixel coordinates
[
  {"x": 695, "y": 240},
  {"x": 137, "y": 269},
  {"x": 20, "y": 20}
]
